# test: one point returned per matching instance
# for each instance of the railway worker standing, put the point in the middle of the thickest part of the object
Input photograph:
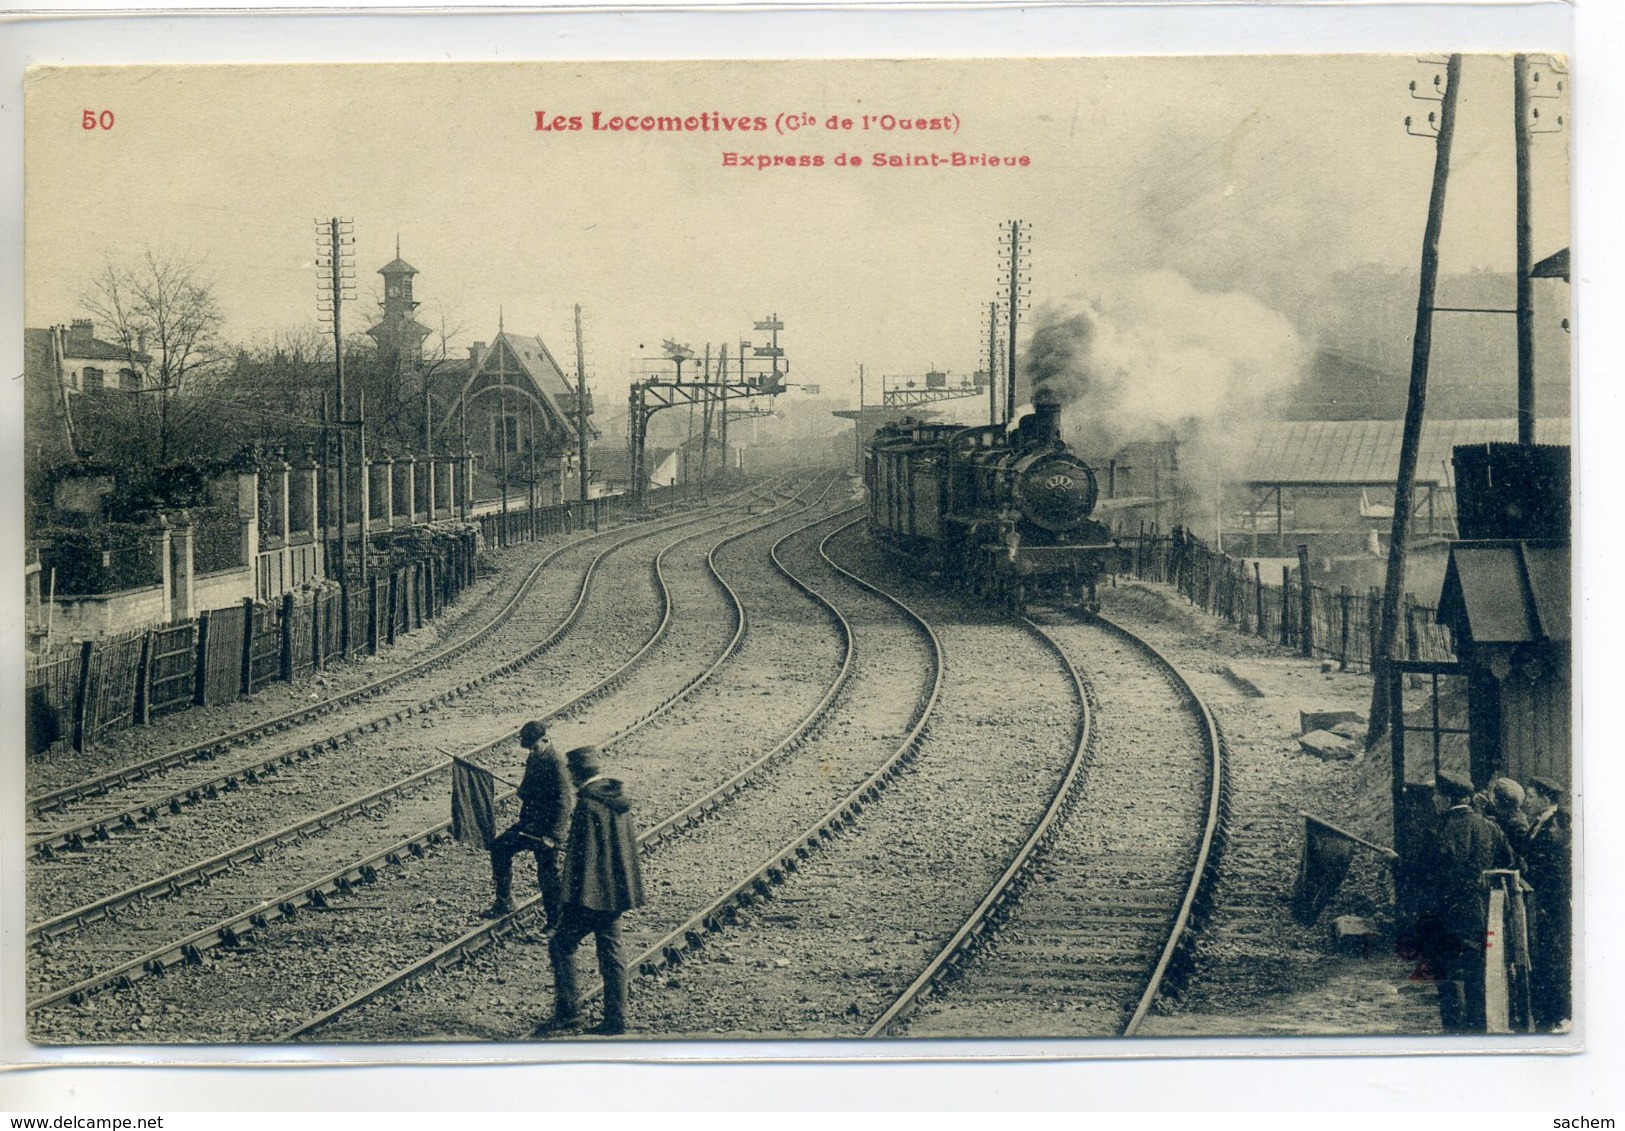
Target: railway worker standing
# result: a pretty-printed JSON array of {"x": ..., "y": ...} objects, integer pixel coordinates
[
  {"x": 1466, "y": 845},
  {"x": 602, "y": 881},
  {"x": 546, "y": 797},
  {"x": 1506, "y": 809},
  {"x": 1549, "y": 865}
]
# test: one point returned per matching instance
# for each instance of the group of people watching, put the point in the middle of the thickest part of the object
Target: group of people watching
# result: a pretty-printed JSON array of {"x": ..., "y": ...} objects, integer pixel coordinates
[
  {"x": 578, "y": 823},
  {"x": 1506, "y": 826}
]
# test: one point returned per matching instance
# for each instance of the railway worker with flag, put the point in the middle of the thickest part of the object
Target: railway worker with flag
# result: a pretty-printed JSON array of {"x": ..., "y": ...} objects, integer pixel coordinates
[
  {"x": 546, "y": 797},
  {"x": 602, "y": 881}
]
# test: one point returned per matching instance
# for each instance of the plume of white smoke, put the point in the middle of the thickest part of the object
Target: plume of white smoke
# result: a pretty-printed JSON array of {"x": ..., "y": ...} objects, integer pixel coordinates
[{"x": 1155, "y": 358}]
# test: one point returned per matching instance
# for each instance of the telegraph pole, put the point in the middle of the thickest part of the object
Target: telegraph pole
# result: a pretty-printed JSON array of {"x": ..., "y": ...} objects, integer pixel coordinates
[
  {"x": 1416, "y": 403},
  {"x": 992, "y": 363},
  {"x": 462, "y": 461},
  {"x": 361, "y": 462},
  {"x": 530, "y": 451},
  {"x": 722, "y": 427},
  {"x": 859, "y": 456},
  {"x": 1525, "y": 312},
  {"x": 581, "y": 406},
  {"x": 634, "y": 453},
  {"x": 705, "y": 427},
  {"x": 502, "y": 454},
  {"x": 1017, "y": 240},
  {"x": 336, "y": 241}
]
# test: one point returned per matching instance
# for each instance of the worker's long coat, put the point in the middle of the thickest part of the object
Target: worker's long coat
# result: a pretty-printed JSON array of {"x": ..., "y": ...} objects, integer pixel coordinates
[{"x": 602, "y": 871}]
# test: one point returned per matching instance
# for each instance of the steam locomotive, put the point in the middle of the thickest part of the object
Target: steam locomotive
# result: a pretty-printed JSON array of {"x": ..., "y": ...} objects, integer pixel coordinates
[{"x": 1004, "y": 513}]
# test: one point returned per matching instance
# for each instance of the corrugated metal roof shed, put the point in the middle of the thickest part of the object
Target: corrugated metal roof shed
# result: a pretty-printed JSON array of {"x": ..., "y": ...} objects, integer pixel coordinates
[{"x": 1356, "y": 452}]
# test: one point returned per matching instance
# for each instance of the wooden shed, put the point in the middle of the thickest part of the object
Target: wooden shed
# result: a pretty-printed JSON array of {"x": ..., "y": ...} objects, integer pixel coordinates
[{"x": 1506, "y": 597}]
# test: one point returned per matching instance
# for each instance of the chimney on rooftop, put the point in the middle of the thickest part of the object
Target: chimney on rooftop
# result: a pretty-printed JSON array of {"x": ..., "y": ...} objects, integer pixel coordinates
[
  {"x": 476, "y": 353},
  {"x": 82, "y": 330}
]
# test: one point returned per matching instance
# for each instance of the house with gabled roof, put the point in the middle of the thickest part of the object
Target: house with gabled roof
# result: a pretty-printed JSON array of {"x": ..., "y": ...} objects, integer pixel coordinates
[
  {"x": 508, "y": 402},
  {"x": 511, "y": 399}
]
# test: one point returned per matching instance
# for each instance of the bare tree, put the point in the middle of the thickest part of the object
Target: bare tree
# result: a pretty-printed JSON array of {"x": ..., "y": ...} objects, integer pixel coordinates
[{"x": 160, "y": 306}]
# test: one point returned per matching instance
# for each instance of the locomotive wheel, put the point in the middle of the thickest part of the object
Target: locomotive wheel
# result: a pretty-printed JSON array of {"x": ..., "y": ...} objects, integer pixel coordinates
[{"x": 1019, "y": 599}]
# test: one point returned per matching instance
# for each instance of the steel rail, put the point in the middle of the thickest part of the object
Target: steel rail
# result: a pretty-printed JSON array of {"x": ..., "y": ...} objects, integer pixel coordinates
[
  {"x": 1174, "y": 961},
  {"x": 103, "y": 826},
  {"x": 229, "y": 931},
  {"x": 699, "y": 811},
  {"x": 200, "y": 871},
  {"x": 995, "y": 906},
  {"x": 774, "y": 869},
  {"x": 215, "y": 745},
  {"x": 992, "y": 911},
  {"x": 477, "y": 939}
]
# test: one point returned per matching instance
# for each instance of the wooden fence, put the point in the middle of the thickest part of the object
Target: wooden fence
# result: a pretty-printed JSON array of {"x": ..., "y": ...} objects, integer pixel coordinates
[
  {"x": 1338, "y": 624},
  {"x": 77, "y": 696}
]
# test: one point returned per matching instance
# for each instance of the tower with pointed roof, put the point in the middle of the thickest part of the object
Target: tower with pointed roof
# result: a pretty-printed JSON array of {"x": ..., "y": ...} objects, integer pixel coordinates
[{"x": 399, "y": 335}]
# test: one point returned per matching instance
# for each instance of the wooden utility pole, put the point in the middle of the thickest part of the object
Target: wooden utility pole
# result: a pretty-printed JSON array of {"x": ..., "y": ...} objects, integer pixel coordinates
[
  {"x": 705, "y": 425},
  {"x": 1416, "y": 403},
  {"x": 1015, "y": 315},
  {"x": 361, "y": 462},
  {"x": 859, "y": 444},
  {"x": 530, "y": 446},
  {"x": 335, "y": 266},
  {"x": 502, "y": 454},
  {"x": 1525, "y": 311},
  {"x": 581, "y": 407},
  {"x": 634, "y": 441},
  {"x": 722, "y": 427},
  {"x": 992, "y": 362},
  {"x": 462, "y": 462}
]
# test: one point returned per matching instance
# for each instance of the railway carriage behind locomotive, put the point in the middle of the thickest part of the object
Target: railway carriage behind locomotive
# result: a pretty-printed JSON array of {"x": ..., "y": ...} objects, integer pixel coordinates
[{"x": 1005, "y": 513}]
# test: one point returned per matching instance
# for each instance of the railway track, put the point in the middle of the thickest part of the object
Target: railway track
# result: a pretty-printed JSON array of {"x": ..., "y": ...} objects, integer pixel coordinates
[
  {"x": 231, "y": 932},
  {"x": 1112, "y": 950},
  {"x": 1089, "y": 922},
  {"x": 373, "y": 757},
  {"x": 1021, "y": 942},
  {"x": 181, "y": 835},
  {"x": 104, "y": 826},
  {"x": 823, "y": 760},
  {"x": 1096, "y": 918}
]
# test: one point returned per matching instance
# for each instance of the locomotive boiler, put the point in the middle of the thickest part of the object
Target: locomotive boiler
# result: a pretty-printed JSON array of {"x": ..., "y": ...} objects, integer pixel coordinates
[{"x": 1005, "y": 513}]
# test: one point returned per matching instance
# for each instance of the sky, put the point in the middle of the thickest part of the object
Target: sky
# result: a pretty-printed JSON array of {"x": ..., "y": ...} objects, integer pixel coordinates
[{"x": 1239, "y": 177}]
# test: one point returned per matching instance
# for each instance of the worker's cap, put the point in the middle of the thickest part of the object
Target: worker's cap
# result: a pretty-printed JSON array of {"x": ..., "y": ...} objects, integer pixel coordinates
[
  {"x": 583, "y": 760},
  {"x": 1505, "y": 791},
  {"x": 533, "y": 732},
  {"x": 1453, "y": 785},
  {"x": 1549, "y": 787}
]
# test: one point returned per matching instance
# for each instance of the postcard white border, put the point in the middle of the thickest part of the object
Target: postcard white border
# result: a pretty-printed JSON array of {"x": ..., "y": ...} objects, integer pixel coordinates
[{"x": 1303, "y": 1072}]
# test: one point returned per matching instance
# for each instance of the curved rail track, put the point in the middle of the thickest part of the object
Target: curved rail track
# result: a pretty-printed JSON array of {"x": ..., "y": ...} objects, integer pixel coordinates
[
  {"x": 181, "y": 846},
  {"x": 758, "y": 879},
  {"x": 231, "y": 931},
  {"x": 672, "y": 828},
  {"x": 213, "y": 746},
  {"x": 1114, "y": 925},
  {"x": 109, "y": 826}
]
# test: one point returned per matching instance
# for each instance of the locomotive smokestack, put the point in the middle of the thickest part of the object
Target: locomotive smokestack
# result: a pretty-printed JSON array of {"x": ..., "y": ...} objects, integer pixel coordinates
[{"x": 1046, "y": 422}]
